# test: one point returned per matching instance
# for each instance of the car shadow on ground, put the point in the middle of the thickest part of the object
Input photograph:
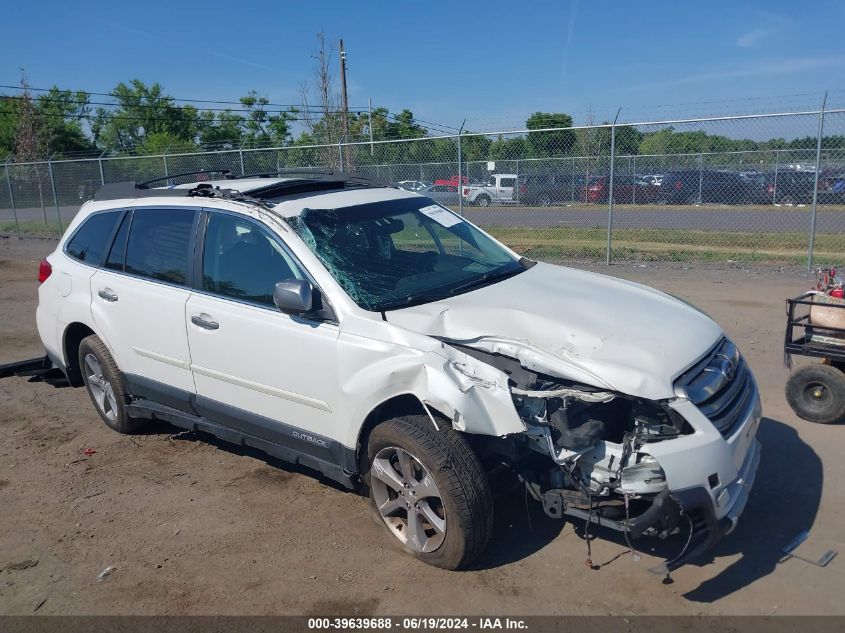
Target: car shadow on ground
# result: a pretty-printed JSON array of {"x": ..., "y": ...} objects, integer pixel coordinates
[
  {"x": 783, "y": 503},
  {"x": 520, "y": 527},
  {"x": 160, "y": 427}
]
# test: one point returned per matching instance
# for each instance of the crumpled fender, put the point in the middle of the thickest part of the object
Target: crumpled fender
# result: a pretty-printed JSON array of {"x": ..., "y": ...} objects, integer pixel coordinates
[{"x": 372, "y": 370}]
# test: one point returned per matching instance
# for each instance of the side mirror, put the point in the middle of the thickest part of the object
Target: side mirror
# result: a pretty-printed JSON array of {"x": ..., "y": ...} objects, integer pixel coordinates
[{"x": 293, "y": 296}]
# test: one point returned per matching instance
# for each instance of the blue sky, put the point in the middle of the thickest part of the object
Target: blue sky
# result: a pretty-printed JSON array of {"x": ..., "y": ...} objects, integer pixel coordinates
[{"x": 492, "y": 62}]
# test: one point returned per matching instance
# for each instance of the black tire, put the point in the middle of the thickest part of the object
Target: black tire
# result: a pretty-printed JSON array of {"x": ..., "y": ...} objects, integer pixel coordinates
[
  {"x": 112, "y": 410},
  {"x": 483, "y": 201},
  {"x": 545, "y": 200},
  {"x": 817, "y": 393},
  {"x": 459, "y": 476}
]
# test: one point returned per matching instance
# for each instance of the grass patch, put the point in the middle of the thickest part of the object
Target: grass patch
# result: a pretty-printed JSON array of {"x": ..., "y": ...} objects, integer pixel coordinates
[
  {"x": 668, "y": 245},
  {"x": 33, "y": 228}
]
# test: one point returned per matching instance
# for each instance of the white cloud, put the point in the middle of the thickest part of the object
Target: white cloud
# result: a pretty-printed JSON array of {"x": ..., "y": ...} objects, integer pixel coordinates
[{"x": 750, "y": 38}]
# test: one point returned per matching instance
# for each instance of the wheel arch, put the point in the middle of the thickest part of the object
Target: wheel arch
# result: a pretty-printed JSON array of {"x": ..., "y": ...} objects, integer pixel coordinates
[
  {"x": 406, "y": 403},
  {"x": 72, "y": 337}
]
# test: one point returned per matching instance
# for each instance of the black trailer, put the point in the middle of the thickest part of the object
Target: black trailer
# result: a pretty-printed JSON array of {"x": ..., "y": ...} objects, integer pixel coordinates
[{"x": 815, "y": 327}]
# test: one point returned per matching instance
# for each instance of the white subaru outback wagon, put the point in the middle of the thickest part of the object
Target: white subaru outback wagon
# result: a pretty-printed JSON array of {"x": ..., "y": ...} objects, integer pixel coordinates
[{"x": 380, "y": 339}]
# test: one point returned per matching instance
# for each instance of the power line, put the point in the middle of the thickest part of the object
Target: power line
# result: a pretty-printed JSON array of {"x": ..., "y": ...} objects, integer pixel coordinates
[{"x": 118, "y": 96}]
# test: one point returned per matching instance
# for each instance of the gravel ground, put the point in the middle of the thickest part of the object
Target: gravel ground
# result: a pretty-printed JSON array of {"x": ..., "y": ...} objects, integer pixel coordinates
[{"x": 195, "y": 528}]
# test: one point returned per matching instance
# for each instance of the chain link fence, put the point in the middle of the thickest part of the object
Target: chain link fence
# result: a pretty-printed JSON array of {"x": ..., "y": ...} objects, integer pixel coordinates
[{"x": 756, "y": 188}]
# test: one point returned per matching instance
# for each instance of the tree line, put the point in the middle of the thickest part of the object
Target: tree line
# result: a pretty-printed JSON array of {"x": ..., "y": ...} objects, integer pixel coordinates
[{"x": 142, "y": 119}]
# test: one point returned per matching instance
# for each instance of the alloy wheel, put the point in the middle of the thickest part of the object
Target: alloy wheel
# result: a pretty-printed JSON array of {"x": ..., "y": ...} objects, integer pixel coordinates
[
  {"x": 100, "y": 387},
  {"x": 408, "y": 499}
]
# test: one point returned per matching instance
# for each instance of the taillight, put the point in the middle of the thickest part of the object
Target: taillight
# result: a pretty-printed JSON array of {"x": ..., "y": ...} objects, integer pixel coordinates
[
  {"x": 44, "y": 271},
  {"x": 466, "y": 192},
  {"x": 771, "y": 189},
  {"x": 678, "y": 185}
]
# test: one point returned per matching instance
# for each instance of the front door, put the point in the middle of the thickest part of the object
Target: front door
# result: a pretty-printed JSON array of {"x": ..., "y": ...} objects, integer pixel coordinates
[{"x": 266, "y": 373}]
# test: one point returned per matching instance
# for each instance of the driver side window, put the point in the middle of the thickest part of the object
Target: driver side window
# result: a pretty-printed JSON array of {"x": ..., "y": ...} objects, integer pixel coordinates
[{"x": 242, "y": 260}]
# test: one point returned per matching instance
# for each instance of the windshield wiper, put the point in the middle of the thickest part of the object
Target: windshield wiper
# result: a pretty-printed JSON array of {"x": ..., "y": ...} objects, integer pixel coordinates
[
  {"x": 486, "y": 278},
  {"x": 411, "y": 300}
]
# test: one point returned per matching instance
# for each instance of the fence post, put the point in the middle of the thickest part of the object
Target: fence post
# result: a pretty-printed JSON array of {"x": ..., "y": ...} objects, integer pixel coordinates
[
  {"x": 102, "y": 173},
  {"x": 816, "y": 187},
  {"x": 460, "y": 179},
  {"x": 610, "y": 188},
  {"x": 55, "y": 197},
  {"x": 164, "y": 158},
  {"x": 12, "y": 201},
  {"x": 775, "y": 185},
  {"x": 241, "y": 154},
  {"x": 340, "y": 153}
]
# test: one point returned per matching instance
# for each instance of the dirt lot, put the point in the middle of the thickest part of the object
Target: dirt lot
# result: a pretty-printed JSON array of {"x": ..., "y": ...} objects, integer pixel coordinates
[{"x": 199, "y": 528}]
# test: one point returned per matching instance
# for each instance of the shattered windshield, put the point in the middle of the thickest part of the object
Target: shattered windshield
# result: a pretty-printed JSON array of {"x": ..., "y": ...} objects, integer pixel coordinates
[{"x": 399, "y": 253}]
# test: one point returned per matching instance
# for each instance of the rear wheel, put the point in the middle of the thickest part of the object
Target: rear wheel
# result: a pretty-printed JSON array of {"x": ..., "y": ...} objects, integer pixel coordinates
[
  {"x": 545, "y": 200},
  {"x": 428, "y": 489},
  {"x": 482, "y": 201},
  {"x": 817, "y": 393},
  {"x": 106, "y": 385}
]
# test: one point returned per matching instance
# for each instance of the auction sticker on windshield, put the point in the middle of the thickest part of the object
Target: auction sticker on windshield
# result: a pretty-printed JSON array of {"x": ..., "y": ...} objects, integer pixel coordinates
[{"x": 442, "y": 216}]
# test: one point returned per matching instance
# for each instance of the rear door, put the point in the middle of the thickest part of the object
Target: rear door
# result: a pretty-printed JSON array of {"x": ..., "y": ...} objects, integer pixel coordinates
[{"x": 138, "y": 301}]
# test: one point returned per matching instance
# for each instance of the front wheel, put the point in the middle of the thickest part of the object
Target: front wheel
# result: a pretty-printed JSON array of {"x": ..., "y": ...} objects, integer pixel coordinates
[
  {"x": 545, "y": 200},
  {"x": 427, "y": 488},
  {"x": 817, "y": 393}
]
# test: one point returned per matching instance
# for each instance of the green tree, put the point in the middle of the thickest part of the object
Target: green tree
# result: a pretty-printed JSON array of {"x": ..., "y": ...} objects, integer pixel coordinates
[
  {"x": 60, "y": 114},
  {"x": 261, "y": 127},
  {"x": 222, "y": 129},
  {"x": 143, "y": 110},
  {"x": 8, "y": 125},
  {"x": 557, "y": 143}
]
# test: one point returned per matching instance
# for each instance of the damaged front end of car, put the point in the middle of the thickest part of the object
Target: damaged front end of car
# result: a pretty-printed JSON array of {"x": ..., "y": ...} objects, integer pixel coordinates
[{"x": 647, "y": 468}]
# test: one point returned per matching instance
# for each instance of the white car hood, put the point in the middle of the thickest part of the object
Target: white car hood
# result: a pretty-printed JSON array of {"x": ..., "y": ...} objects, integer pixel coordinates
[{"x": 583, "y": 326}]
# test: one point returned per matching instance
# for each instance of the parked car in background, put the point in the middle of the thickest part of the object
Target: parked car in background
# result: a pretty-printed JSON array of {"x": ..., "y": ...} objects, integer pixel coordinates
[
  {"x": 652, "y": 179},
  {"x": 694, "y": 186},
  {"x": 785, "y": 186},
  {"x": 443, "y": 194},
  {"x": 626, "y": 190},
  {"x": 547, "y": 189},
  {"x": 413, "y": 185},
  {"x": 452, "y": 180},
  {"x": 497, "y": 190}
]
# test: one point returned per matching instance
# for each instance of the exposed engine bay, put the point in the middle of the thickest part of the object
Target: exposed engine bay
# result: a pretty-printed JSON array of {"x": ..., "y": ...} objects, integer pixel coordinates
[{"x": 598, "y": 442}]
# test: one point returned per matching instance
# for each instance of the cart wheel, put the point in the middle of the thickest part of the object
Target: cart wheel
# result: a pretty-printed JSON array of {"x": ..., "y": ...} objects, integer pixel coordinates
[{"x": 817, "y": 393}]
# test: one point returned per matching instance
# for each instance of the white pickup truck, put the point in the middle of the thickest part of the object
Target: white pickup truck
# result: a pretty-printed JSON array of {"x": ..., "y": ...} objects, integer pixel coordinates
[{"x": 497, "y": 190}]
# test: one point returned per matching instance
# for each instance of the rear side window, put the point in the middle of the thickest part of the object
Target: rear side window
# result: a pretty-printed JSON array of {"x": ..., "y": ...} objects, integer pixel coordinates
[
  {"x": 91, "y": 240},
  {"x": 158, "y": 244}
]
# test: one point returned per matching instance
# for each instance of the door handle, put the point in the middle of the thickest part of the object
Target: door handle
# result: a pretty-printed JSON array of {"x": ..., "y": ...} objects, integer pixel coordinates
[
  {"x": 107, "y": 295},
  {"x": 206, "y": 324}
]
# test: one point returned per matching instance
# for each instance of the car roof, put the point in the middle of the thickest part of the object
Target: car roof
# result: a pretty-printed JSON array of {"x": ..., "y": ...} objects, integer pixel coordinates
[{"x": 259, "y": 192}]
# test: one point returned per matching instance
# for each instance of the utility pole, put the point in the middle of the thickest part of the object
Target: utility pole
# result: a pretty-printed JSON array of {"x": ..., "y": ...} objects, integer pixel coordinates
[{"x": 345, "y": 104}]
